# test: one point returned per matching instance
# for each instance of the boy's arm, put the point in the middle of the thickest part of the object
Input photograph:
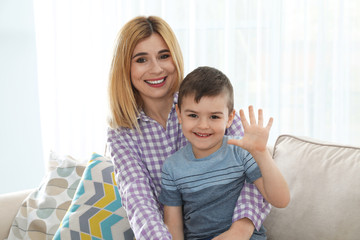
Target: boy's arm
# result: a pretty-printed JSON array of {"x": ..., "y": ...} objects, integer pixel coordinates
[
  {"x": 251, "y": 204},
  {"x": 272, "y": 185},
  {"x": 174, "y": 221},
  {"x": 241, "y": 229}
]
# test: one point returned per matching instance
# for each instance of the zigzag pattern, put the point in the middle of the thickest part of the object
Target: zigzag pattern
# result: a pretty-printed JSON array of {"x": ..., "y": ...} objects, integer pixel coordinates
[{"x": 99, "y": 210}]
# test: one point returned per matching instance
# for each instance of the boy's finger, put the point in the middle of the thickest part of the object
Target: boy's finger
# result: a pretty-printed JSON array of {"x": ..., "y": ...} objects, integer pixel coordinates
[
  {"x": 268, "y": 126},
  {"x": 260, "y": 117},
  {"x": 243, "y": 119},
  {"x": 237, "y": 142},
  {"x": 252, "y": 115}
]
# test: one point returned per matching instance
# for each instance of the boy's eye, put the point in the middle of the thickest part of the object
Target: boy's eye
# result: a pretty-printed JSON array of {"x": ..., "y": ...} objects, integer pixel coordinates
[
  {"x": 192, "y": 115},
  {"x": 214, "y": 117},
  {"x": 140, "y": 60}
]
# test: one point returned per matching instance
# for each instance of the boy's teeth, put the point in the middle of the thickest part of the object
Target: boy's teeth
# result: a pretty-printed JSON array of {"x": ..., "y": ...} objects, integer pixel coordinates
[{"x": 202, "y": 135}]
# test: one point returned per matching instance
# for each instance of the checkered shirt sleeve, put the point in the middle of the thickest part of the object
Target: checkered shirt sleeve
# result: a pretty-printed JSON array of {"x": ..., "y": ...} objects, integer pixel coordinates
[{"x": 137, "y": 189}]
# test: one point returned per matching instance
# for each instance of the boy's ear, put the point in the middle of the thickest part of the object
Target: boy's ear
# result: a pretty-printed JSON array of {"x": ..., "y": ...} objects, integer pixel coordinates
[
  {"x": 178, "y": 113},
  {"x": 231, "y": 118}
]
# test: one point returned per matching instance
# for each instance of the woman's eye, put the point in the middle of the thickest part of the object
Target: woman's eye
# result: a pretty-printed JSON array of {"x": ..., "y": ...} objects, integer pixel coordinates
[
  {"x": 165, "y": 56},
  {"x": 140, "y": 60}
]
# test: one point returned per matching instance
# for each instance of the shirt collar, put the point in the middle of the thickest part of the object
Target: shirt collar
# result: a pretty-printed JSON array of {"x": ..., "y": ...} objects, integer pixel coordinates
[{"x": 143, "y": 117}]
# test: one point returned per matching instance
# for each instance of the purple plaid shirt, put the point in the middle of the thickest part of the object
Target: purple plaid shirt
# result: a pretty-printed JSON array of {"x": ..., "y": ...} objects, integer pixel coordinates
[{"x": 138, "y": 159}]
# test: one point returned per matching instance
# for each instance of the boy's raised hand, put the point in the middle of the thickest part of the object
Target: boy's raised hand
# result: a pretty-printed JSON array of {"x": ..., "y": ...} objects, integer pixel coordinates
[{"x": 255, "y": 134}]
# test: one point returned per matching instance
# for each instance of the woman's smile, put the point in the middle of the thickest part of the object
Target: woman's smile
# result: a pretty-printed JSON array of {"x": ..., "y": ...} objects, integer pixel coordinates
[{"x": 156, "y": 82}]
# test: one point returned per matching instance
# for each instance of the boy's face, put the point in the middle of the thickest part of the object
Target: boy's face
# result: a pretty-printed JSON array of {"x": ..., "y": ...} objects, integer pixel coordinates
[{"x": 204, "y": 123}]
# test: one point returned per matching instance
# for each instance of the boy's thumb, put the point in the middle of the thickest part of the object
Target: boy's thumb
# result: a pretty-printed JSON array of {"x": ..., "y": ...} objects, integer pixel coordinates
[{"x": 237, "y": 142}]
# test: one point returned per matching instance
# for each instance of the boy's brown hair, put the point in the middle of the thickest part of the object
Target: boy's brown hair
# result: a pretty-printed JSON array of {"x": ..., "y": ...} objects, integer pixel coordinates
[{"x": 206, "y": 82}]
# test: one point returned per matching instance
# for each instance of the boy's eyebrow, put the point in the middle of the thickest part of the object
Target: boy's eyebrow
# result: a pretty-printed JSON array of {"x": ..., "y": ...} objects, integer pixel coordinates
[
  {"x": 145, "y": 53},
  {"x": 189, "y": 110},
  {"x": 192, "y": 111},
  {"x": 217, "y": 113}
]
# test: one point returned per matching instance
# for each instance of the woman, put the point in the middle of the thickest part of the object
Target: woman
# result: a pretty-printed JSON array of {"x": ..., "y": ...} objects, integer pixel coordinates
[{"x": 145, "y": 74}]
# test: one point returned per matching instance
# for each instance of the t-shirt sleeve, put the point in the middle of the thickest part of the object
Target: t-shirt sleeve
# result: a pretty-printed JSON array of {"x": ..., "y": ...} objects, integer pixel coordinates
[
  {"x": 252, "y": 170},
  {"x": 170, "y": 194}
]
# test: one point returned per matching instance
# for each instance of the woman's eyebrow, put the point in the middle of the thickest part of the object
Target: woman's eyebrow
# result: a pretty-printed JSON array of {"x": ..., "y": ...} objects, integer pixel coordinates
[
  {"x": 145, "y": 53},
  {"x": 140, "y": 54},
  {"x": 164, "y": 50}
]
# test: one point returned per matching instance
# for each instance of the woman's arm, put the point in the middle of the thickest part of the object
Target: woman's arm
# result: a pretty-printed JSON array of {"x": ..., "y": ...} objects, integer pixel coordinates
[
  {"x": 252, "y": 205},
  {"x": 137, "y": 189},
  {"x": 174, "y": 221}
]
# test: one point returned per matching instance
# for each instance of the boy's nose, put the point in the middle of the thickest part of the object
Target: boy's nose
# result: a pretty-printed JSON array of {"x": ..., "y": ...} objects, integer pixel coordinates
[{"x": 203, "y": 123}]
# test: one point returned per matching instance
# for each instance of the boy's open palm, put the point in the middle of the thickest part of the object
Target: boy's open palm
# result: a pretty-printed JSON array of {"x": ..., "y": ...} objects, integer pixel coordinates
[{"x": 255, "y": 134}]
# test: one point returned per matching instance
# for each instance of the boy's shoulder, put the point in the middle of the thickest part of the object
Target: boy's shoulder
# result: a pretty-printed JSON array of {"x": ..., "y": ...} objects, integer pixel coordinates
[{"x": 177, "y": 156}]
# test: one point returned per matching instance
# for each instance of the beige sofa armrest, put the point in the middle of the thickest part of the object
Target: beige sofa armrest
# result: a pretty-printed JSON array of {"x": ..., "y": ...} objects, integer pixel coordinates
[
  {"x": 270, "y": 149},
  {"x": 9, "y": 206}
]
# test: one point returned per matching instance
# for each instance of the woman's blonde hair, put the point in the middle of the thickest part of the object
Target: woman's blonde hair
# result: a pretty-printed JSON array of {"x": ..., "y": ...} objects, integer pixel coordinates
[{"x": 125, "y": 102}]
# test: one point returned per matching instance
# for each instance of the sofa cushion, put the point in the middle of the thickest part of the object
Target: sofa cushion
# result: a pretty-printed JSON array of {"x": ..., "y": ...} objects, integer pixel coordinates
[
  {"x": 324, "y": 182},
  {"x": 96, "y": 211},
  {"x": 9, "y": 207},
  {"x": 42, "y": 211}
]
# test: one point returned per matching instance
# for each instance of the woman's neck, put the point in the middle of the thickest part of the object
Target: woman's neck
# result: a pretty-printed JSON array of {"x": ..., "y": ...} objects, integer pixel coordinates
[{"x": 158, "y": 110}]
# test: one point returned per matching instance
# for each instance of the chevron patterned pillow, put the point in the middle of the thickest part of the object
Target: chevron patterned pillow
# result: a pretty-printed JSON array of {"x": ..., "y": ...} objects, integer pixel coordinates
[{"x": 96, "y": 211}]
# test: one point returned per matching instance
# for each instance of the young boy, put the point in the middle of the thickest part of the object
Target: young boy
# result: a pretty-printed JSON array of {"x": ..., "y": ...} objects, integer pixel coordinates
[{"x": 202, "y": 181}]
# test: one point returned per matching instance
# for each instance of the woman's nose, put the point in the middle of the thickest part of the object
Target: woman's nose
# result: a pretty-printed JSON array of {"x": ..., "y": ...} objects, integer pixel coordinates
[{"x": 156, "y": 67}]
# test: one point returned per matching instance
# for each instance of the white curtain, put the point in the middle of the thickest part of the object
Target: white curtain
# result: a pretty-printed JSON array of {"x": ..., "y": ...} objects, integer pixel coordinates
[{"x": 298, "y": 60}]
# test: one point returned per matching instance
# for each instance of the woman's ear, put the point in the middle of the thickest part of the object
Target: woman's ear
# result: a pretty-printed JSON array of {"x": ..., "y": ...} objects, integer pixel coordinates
[
  {"x": 178, "y": 113},
  {"x": 231, "y": 118}
]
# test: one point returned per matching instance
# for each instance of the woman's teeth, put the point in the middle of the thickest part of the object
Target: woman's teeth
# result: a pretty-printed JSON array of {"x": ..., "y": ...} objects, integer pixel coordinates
[{"x": 156, "y": 82}]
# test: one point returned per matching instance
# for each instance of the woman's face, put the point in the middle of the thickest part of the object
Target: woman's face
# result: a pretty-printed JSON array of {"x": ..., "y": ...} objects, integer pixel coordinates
[{"x": 153, "y": 72}]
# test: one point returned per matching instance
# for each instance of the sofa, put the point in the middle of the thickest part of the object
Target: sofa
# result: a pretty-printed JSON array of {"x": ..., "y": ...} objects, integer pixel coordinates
[{"x": 323, "y": 177}]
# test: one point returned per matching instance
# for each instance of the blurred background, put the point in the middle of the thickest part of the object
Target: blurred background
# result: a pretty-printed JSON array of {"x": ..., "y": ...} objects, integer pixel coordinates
[{"x": 298, "y": 60}]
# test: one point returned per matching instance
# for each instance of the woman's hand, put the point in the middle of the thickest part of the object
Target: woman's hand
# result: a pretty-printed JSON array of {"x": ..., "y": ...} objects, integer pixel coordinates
[{"x": 255, "y": 134}]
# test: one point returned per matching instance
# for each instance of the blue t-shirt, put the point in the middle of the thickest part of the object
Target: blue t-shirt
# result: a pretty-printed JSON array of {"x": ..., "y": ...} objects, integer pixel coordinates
[{"x": 207, "y": 188}]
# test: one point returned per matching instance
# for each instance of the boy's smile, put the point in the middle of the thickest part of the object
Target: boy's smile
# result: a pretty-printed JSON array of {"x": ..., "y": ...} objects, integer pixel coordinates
[{"x": 204, "y": 123}]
